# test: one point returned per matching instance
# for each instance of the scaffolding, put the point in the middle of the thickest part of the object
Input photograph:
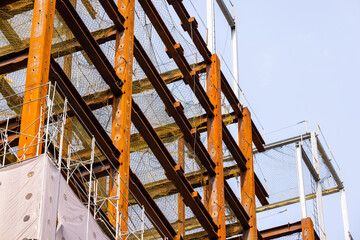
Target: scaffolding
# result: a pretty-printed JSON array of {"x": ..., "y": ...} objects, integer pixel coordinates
[{"x": 131, "y": 105}]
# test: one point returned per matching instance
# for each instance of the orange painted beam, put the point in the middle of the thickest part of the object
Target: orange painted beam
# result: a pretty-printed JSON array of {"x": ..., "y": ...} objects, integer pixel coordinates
[
  {"x": 247, "y": 177},
  {"x": 36, "y": 76},
  {"x": 307, "y": 228},
  {"x": 181, "y": 205},
  {"x": 215, "y": 188},
  {"x": 121, "y": 123}
]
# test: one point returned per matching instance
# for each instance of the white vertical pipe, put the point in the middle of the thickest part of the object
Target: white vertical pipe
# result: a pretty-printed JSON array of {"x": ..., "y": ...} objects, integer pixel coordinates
[
  {"x": 319, "y": 201},
  {"x": 345, "y": 214},
  {"x": 301, "y": 181},
  {"x": 6, "y": 141},
  {"x": 210, "y": 21},
  {"x": 235, "y": 64},
  {"x": 63, "y": 122},
  {"x": 90, "y": 185}
]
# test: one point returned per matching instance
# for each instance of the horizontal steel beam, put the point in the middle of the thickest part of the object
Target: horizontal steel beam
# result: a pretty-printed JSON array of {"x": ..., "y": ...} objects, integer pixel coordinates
[
  {"x": 260, "y": 191},
  {"x": 104, "y": 143},
  {"x": 226, "y": 13},
  {"x": 3, "y": 3},
  {"x": 236, "y": 206},
  {"x": 285, "y": 142},
  {"x": 157, "y": 218},
  {"x": 173, "y": 171},
  {"x": 277, "y": 232},
  {"x": 233, "y": 148},
  {"x": 309, "y": 165},
  {"x": 295, "y": 200},
  {"x": 190, "y": 26},
  {"x": 18, "y": 60},
  {"x": 84, "y": 113},
  {"x": 166, "y": 95},
  {"x": 90, "y": 46},
  {"x": 173, "y": 108},
  {"x": 175, "y": 51},
  {"x": 329, "y": 164}
]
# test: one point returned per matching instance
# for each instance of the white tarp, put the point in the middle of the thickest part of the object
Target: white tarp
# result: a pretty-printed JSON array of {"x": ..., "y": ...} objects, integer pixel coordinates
[
  {"x": 27, "y": 204},
  {"x": 29, "y": 200},
  {"x": 73, "y": 218}
]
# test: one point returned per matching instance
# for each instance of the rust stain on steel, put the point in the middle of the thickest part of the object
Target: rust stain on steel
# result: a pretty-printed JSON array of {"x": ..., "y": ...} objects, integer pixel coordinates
[
  {"x": 214, "y": 130},
  {"x": 307, "y": 228},
  {"x": 121, "y": 124},
  {"x": 181, "y": 205},
  {"x": 247, "y": 176},
  {"x": 37, "y": 75}
]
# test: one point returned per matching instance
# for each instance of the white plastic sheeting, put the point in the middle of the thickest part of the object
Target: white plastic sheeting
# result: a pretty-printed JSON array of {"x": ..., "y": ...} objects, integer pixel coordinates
[
  {"x": 27, "y": 199},
  {"x": 73, "y": 217},
  {"x": 30, "y": 203}
]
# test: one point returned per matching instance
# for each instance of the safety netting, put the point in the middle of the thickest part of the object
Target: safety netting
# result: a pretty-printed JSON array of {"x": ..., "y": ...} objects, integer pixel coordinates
[{"x": 276, "y": 168}]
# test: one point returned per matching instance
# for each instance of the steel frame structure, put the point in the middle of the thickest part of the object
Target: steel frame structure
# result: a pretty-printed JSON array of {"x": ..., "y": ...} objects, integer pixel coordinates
[{"x": 211, "y": 215}]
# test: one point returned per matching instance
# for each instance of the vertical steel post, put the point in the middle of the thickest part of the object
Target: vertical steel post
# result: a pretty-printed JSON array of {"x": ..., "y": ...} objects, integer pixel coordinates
[
  {"x": 235, "y": 61},
  {"x": 319, "y": 201},
  {"x": 37, "y": 75},
  {"x": 247, "y": 177},
  {"x": 210, "y": 21},
  {"x": 121, "y": 123},
  {"x": 181, "y": 205},
  {"x": 345, "y": 214},
  {"x": 301, "y": 181},
  {"x": 307, "y": 228},
  {"x": 214, "y": 140}
]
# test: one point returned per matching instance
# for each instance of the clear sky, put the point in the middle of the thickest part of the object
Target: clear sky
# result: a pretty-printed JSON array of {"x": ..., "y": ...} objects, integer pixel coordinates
[{"x": 299, "y": 60}]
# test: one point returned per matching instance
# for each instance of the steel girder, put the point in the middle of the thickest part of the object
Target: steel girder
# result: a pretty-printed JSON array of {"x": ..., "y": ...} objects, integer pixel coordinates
[
  {"x": 174, "y": 51},
  {"x": 190, "y": 26},
  {"x": 92, "y": 49},
  {"x": 103, "y": 141}
]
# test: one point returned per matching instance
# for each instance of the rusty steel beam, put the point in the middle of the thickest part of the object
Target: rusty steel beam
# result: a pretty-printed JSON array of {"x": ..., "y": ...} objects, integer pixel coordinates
[
  {"x": 3, "y": 3},
  {"x": 175, "y": 51},
  {"x": 247, "y": 176},
  {"x": 37, "y": 75},
  {"x": 103, "y": 141},
  {"x": 231, "y": 230},
  {"x": 236, "y": 206},
  {"x": 121, "y": 111},
  {"x": 281, "y": 231},
  {"x": 307, "y": 229},
  {"x": 234, "y": 150},
  {"x": 158, "y": 219},
  {"x": 260, "y": 191},
  {"x": 181, "y": 205},
  {"x": 173, "y": 171},
  {"x": 214, "y": 190},
  {"x": 190, "y": 26},
  {"x": 17, "y": 60},
  {"x": 84, "y": 113},
  {"x": 90, "y": 46},
  {"x": 276, "y": 232},
  {"x": 174, "y": 108}
]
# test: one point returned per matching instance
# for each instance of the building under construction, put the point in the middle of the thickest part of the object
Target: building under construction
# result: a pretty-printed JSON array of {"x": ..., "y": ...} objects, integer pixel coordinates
[{"x": 117, "y": 122}]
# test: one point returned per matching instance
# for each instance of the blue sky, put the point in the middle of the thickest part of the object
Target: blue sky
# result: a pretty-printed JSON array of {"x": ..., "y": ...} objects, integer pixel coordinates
[{"x": 299, "y": 60}]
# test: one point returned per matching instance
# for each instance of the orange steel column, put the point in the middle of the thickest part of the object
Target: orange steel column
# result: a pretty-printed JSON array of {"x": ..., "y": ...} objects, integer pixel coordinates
[
  {"x": 214, "y": 133},
  {"x": 307, "y": 228},
  {"x": 181, "y": 205},
  {"x": 247, "y": 176},
  {"x": 37, "y": 75},
  {"x": 121, "y": 123}
]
